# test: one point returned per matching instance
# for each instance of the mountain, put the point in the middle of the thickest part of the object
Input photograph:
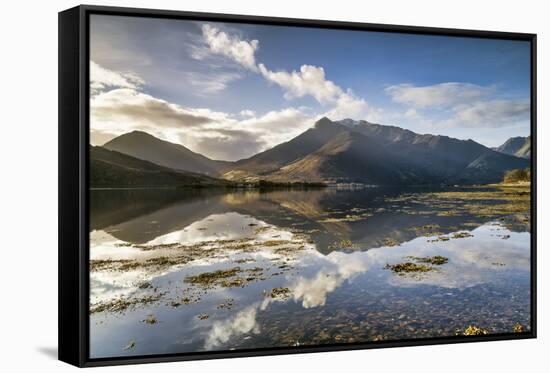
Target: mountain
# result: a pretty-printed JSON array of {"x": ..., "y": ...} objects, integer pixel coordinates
[
  {"x": 144, "y": 146},
  {"x": 352, "y": 157},
  {"x": 518, "y": 146},
  {"x": 273, "y": 159},
  {"x": 111, "y": 169},
  {"x": 452, "y": 160},
  {"x": 359, "y": 151}
]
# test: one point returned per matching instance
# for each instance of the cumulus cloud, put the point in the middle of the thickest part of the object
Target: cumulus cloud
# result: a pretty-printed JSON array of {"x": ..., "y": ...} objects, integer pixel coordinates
[
  {"x": 217, "y": 135},
  {"x": 308, "y": 81},
  {"x": 311, "y": 81},
  {"x": 123, "y": 108},
  {"x": 240, "y": 51}
]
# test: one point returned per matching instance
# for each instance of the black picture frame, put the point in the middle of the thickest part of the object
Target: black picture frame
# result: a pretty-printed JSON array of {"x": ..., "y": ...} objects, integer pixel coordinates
[{"x": 74, "y": 193}]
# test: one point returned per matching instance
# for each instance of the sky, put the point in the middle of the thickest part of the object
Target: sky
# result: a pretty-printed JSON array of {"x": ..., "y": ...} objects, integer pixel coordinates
[{"x": 229, "y": 91}]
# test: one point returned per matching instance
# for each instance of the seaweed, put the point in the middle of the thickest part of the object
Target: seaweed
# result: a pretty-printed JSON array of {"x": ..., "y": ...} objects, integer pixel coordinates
[
  {"x": 121, "y": 304},
  {"x": 150, "y": 319},
  {"x": 473, "y": 330},
  {"x": 408, "y": 267},
  {"x": 279, "y": 293}
]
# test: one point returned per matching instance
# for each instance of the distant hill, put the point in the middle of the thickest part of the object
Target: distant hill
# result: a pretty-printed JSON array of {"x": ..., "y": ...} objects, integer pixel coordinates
[
  {"x": 448, "y": 159},
  {"x": 359, "y": 151},
  {"x": 518, "y": 146},
  {"x": 144, "y": 146},
  {"x": 111, "y": 169}
]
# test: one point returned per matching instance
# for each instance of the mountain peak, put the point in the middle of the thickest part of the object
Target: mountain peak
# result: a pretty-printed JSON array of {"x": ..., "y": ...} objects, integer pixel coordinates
[
  {"x": 143, "y": 145},
  {"x": 324, "y": 121}
]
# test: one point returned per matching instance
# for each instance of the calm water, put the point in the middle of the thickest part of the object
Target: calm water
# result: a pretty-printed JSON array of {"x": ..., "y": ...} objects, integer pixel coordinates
[{"x": 300, "y": 267}]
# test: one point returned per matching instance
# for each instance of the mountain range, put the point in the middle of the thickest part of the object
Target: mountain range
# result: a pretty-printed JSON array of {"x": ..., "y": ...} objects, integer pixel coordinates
[
  {"x": 142, "y": 145},
  {"x": 331, "y": 152},
  {"x": 114, "y": 169},
  {"x": 518, "y": 146}
]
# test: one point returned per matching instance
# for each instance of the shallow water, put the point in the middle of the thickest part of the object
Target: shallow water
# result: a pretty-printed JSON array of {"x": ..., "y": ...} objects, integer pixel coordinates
[{"x": 301, "y": 267}]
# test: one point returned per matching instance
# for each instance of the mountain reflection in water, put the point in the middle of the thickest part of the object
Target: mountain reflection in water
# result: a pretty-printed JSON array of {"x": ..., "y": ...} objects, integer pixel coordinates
[{"x": 184, "y": 271}]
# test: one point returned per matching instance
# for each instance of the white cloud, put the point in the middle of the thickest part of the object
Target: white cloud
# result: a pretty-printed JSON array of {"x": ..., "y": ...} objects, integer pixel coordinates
[
  {"x": 217, "y": 135},
  {"x": 240, "y": 51},
  {"x": 310, "y": 80},
  {"x": 312, "y": 292},
  {"x": 208, "y": 84},
  {"x": 247, "y": 113},
  {"x": 125, "y": 107},
  {"x": 495, "y": 113},
  {"x": 243, "y": 322},
  {"x": 102, "y": 78},
  {"x": 443, "y": 94},
  {"x": 350, "y": 106},
  {"x": 459, "y": 105}
]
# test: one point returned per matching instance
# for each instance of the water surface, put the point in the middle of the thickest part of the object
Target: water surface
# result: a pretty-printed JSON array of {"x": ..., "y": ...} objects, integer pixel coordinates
[{"x": 182, "y": 271}]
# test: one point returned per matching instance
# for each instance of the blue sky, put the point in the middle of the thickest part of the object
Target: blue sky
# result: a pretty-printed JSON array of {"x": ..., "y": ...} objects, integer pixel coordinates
[{"x": 231, "y": 90}]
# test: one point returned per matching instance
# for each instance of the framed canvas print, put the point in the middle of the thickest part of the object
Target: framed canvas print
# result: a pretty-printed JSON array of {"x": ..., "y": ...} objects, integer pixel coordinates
[{"x": 237, "y": 186}]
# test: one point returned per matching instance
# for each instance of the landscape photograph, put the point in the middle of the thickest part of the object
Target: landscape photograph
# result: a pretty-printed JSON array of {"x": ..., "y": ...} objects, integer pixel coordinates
[{"x": 259, "y": 187}]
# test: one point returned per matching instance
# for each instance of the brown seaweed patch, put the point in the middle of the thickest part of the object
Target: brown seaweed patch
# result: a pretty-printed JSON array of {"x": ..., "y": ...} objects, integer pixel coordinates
[
  {"x": 227, "y": 278},
  {"x": 342, "y": 244},
  {"x": 279, "y": 293},
  {"x": 462, "y": 235},
  {"x": 106, "y": 264},
  {"x": 434, "y": 260},
  {"x": 417, "y": 264},
  {"x": 275, "y": 242},
  {"x": 121, "y": 304},
  {"x": 150, "y": 319},
  {"x": 474, "y": 330},
  {"x": 439, "y": 239},
  {"x": 518, "y": 328},
  {"x": 408, "y": 267},
  {"x": 389, "y": 242},
  {"x": 227, "y": 304},
  {"x": 347, "y": 218},
  {"x": 214, "y": 277}
]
